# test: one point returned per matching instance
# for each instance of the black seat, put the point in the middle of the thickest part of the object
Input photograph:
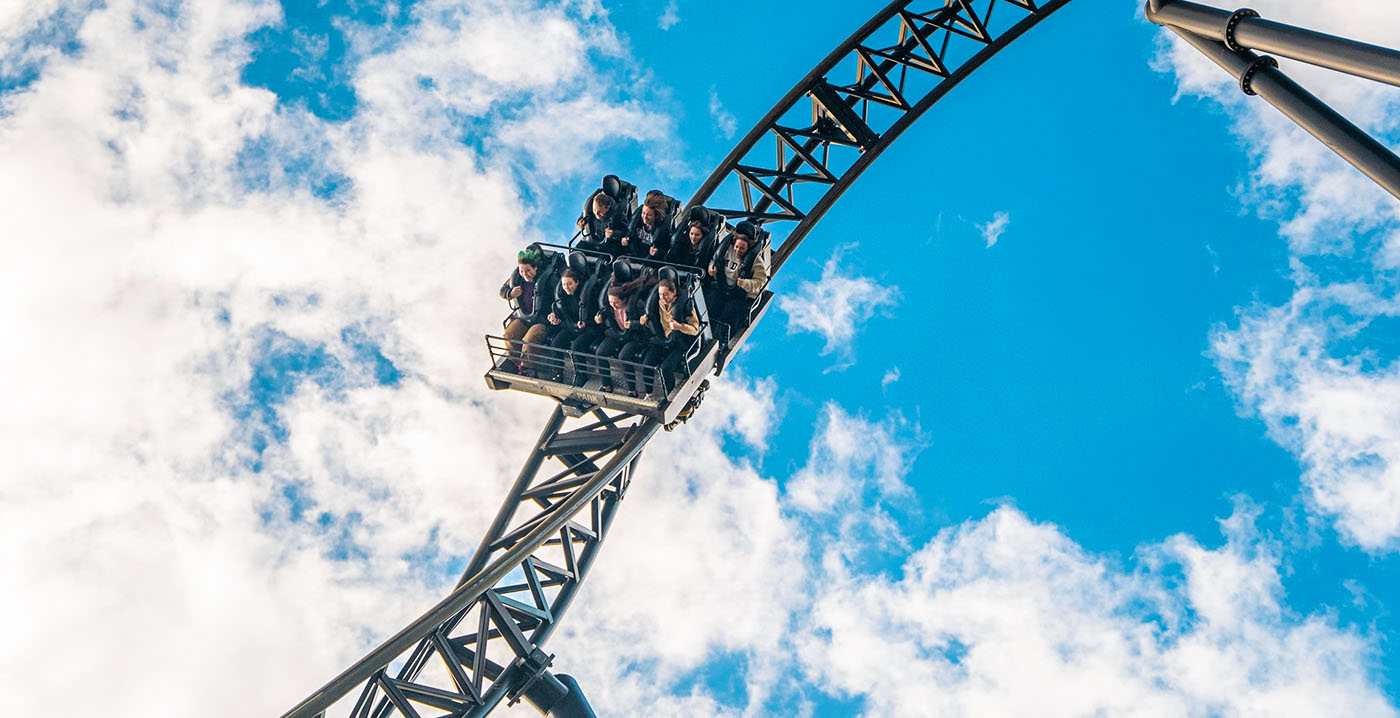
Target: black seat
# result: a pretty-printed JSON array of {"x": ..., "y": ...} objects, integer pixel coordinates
[
  {"x": 621, "y": 271},
  {"x": 583, "y": 264},
  {"x": 624, "y": 193},
  {"x": 710, "y": 219}
]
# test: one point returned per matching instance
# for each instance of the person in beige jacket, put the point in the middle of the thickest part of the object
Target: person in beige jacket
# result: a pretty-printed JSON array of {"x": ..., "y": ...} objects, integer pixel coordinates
[
  {"x": 674, "y": 324},
  {"x": 737, "y": 273}
]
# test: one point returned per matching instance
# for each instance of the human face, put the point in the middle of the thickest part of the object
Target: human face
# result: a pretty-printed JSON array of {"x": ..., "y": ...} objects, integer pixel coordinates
[
  {"x": 598, "y": 211},
  {"x": 527, "y": 272},
  {"x": 569, "y": 284},
  {"x": 648, "y": 215},
  {"x": 696, "y": 234},
  {"x": 615, "y": 302},
  {"x": 668, "y": 295},
  {"x": 741, "y": 246}
]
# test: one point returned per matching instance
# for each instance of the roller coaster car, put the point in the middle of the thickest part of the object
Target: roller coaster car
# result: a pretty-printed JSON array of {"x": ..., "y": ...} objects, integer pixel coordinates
[{"x": 556, "y": 372}]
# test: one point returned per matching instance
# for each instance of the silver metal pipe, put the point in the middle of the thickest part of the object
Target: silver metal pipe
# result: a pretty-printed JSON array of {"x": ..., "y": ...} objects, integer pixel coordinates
[
  {"x": 1258, "y": 75},
  {"x": 1245, "y": 29}
]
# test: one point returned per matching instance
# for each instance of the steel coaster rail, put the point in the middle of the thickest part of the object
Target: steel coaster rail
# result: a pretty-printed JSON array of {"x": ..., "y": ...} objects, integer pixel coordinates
[{"x": 483, "y": 643}]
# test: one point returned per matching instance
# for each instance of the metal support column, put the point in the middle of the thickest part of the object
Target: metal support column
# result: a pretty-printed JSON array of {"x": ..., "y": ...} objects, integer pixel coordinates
[
  {"x": 1259, "y": 75},
  {"x": 1244, "y": 29}
]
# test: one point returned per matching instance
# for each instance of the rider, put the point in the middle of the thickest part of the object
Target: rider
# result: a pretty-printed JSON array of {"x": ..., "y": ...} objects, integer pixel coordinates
[
  {"x": 530, "y": 287},
  {"x": 674, "y": 324},
  {"x": 694, "y": 250},
  {"x": 737, "y": 274},
  {"x": 572, "y": 331},
  {"x": 604, "y": 226},
  {"x": 649, "y": 235},
  {"x": 623, "y": 335}
]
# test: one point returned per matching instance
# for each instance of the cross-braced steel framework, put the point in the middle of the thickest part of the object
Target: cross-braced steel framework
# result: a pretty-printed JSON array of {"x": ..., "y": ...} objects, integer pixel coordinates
[{"x": 484, "y": 643}]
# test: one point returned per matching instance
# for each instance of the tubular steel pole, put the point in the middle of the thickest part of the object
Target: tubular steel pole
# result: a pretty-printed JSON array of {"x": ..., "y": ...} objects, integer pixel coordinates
[
  {"x": 1260, "y": 75},
  {"x": 1245, "y": 29}
]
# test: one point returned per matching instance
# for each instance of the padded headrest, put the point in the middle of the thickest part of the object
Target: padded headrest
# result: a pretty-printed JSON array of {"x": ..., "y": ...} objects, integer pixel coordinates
[
  {"x": 671, "y": 274},
  {"x": 623, "y": 270},
  {"x": 578, "y": 261},
  {"x": 613, "y": 186}
]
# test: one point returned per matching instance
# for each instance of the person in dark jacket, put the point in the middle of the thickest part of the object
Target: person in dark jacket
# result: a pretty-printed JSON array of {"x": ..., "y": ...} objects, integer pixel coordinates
[
  {"x": 674, "y": 324},
  {"x": 737, "y": 273},
  {"x": 649, "y": 235},
  {"x": 574, "y": 332},
  {"x": 694, "y": 249},
  {"x": 530, "y": 289},
  {"x": 604, "y": 226},
  {"x": 624, "y": 338}
]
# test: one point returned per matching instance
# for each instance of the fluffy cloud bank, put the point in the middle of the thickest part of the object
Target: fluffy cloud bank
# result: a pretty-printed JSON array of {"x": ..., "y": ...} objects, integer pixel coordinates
[
  {"x": 715, "y": 572},
  {"x": 242, "y": 342}
]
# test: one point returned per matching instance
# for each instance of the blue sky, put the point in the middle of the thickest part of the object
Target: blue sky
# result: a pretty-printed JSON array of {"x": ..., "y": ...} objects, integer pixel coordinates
[
  {"x": 304, "y": 264},
  {"x": 1066, "y": 368}
]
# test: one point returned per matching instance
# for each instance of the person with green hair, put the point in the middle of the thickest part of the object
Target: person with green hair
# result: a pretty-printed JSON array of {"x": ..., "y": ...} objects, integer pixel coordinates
[{"x": 530, "y": 291}]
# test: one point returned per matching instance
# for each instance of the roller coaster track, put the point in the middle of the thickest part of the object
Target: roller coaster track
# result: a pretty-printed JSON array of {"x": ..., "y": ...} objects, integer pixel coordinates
[{"x": 483, "y": 643}]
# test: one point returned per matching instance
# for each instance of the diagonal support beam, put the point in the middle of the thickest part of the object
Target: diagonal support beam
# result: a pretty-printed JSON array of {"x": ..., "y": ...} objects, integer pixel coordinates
[{"x": 1260, "y": 75}]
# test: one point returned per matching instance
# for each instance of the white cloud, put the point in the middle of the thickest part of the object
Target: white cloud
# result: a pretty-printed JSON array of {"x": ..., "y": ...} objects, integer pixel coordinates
[
  {"x": 726, "y": 124},
  {"x": 996, "y": 616},
  {"x": 850, "y": 454},
  {"x": 1003, "y": 616},
  {"x": 836, "y": 305},
  {"x": 1339, "y": 414},
  {"x": 992, "y": 231},
  {"x": 669, "y": 16},
  {"x": 148, "y": 293},
  {"x": 1310, "y": 367},
  {"x": 891, "y": 376}
]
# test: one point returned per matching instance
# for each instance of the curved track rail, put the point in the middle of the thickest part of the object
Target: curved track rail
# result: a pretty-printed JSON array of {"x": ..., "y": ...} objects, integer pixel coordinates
[{"x": 483, "y": 643}]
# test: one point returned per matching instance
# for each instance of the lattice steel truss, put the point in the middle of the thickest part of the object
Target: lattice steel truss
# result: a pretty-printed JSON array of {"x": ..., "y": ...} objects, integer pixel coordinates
[
  {"x": 799, "y": 159},
  {"x": 484, "y": 642}
]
